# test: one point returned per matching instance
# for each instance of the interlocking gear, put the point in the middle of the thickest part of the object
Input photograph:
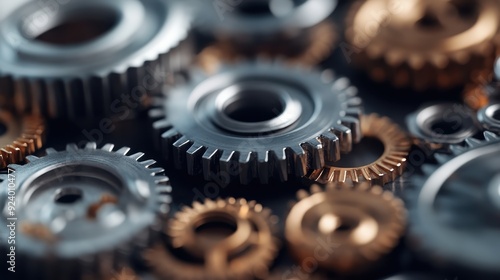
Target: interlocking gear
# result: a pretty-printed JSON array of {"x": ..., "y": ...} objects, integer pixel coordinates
[
  {"x": 257, "y": 120},
  {"x": 123, "y": 50},
  {"x": 297, "y": 30},
  {"x": 424, "y": 43},
  {"x": 489, "y": 117},
  {"x": 457, "y": 201},
  {"x": 21, "y": 136},
  {"x": 344, "y": 228},
  {"x": 385, "y": 169},
  {"x": 80, "y": 215},
  {"x": 245, "y": 252}
]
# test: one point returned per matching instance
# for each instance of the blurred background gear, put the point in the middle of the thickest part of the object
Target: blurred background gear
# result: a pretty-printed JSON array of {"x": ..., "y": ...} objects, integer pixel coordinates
[
  {"x": 489, "y": 117},
  {"x": 19, "y": 137},
  {"x": 85, "y": 57},
  {"x": 437, "y": 126},
  {"x": 224, "y": 239},
  {"x": 454, "y": 209},
  {"x": 297, "y": 30},
  {"x": 79, "y": 214},
  {"x": 424, "y": 43},
  {"x": 257, "y": 120},
  {"x": 354, "y": 227},
  {"x": 387, "y": 166}
]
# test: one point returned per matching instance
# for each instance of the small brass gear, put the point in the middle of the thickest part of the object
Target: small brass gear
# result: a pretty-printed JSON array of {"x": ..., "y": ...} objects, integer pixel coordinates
[
  {"x": 423, "y": 43},
  {"x": 344, "y": 228},
  {"x": 245, "y": 252},
  {"x": 23, "y": 136},
  {"x": 385, "y": 169}
]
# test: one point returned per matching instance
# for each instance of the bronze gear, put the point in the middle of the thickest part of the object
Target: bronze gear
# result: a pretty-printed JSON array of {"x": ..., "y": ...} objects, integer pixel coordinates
[
  {"x": 344, "y": 228},
  {"x": 246, "y": 253},
  {"x": 385, "y": 169},
  {"x": 424, "y": 43},
  {"x": 23, "y": 136}
]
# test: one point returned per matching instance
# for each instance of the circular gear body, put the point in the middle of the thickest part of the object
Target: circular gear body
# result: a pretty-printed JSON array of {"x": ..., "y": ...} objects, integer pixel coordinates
[
  {"x": 79, "y": 214},
  {"x": 424, "y": 44},
  {"x": 353, "y": 226},
  {"x": 223, "y": 239},
  {"x": 124, "y": 50},
  {"x": 296, "y": 29},
  {"x": 386, "y": 168},
  {"x": 21, "y": 137},
  {"x": 257, "y": 120},
  {"x": 457, "y": 201},
  {"x": 437, "y": 126}
]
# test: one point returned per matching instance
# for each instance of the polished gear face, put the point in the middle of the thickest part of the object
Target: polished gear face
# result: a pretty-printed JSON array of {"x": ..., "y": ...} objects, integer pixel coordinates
[
  {"x": 422, "y": 43},
  {"x": 48, "y": 70},
  {"x": 386, "y": 168},
  {"x": 80, "y": 214},
  {"x": 353, "y": 226},
  {"x": 21, "y": 136},
  {"x": 222, "y": 239},
  {"x": 257, "y": 120},
  {"x": 458, "y": 202}
]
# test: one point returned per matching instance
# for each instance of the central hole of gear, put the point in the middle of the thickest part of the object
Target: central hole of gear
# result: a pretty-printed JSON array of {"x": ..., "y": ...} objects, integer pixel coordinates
[
  {"x": 215, "y": 230},
  {"x": 73, "y": 31},
  {"x": 254, "y": 8},
  {"x": 447, "y": 128},
  {"x": 68, "y": 195},
  {"x": 367, "y": 151},
  {"x": 253, "y": 106},
  {"x": 3, "y": 128},
  {"x": 429, "y": 20}
]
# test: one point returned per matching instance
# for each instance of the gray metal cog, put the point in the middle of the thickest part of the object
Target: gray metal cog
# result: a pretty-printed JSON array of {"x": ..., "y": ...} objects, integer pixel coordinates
[
  {"x": 257, "y": 120},
  {"x": 81, "y": 213},
  {"x": 454, "y": 208},
  {"x": 78, "y": 59}
]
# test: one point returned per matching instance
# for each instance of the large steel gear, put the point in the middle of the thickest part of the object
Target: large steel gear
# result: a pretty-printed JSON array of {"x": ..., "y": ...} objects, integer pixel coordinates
[
  {"x": 79, "y": 214},
  {"x": 437, "y": 126},
  {"x": 257, "y": 120},
  {"x": 455, "y": 202},
  {"x": 21, "y": 137},
  {"x": 386, "y": 168},
  {"x": 239, "y": 242},
  {"x": 295, "y": 29},
  {"x": 353, "y": 227},
  {"x": 124, "y": 50},
  {"x": 424, "y": 43}
]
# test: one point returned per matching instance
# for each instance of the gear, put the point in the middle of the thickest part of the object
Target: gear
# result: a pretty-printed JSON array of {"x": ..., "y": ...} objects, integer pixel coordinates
[
  {"x": 256, "y": 120},
  {"x": 489, "y": 117},
  {"x": 79, "y": 214},
  {"x": 437, "y": 126},
  {"x": 353, "y": 226},
  {"x": 484, "y": 91},
  {"x": 455, "y": 202},
  {"x": 385, "y": 169},
  {"x": 323, "y": 38},
  {"x": 45, "y": 70},
  {"x": 424, "y": 43},
  {"x": 21, "y": 137},
  {"x": 298, "y": 29},
  {"x": 246, "y": 251}
]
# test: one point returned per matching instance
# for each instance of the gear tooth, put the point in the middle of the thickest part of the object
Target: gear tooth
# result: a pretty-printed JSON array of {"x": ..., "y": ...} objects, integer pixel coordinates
[
  {"x": 263, "y": 163},
  {"x": 14, "y": 166},
  {"x": 71, "y": 147},
  {"x": 50, "y": 151},
  {"x": 315, "y": 153},
  {"x": 439, "y": 61},
  {"x": 210, "y": 159},
  {"x": 194, "y": 157},
  {"x": 441, "y": 158},
  {"x": 302, "y": 194},
  {"x": 123, "y": 151},
  {"x": 490, "y": 136},
  {"x": 156, "y": 171},
  {"x": 394, "y": 58},
  {"x": 148, "y": 163},
  {"x": 180, "y": 148},
  {"x": 341, "y": 84},
  {"x": 168, "y": 138},
  {"x": 416, "y": 62},
  {"x": 228, "y": 163},
  {"x": 31, "y": 158},
  {"x": 472, "y": 142},
  {"x": 456, "y": 149},
  {"x": 299, "y": 160},
  {"x": 315, "y": 188},
  {"x": 247, "y": 167},
  {"x": 90, "y": 146},
  {"x": 108, "y": 147},
  {"x": 281, "y": 164},
  {"x": 332, "y": 146},
  {"x": 345, "y": 136}
]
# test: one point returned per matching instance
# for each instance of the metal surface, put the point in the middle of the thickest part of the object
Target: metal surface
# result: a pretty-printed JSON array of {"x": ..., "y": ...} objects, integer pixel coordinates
[
  {"x": 385, "y": 169},
  {"x": 489, "y": 117},
  {"x": 48, "y": 70},
  {"x": 456, "y": 202},
  {"x": 225, "y": 122},
  {"x": 80, "y": 214},
  {"x": 245, "y": 251}
]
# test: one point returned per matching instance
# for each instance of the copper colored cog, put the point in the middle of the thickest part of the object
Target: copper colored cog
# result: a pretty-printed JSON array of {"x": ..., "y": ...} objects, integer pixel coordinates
[{"x": 423, "y": 43}]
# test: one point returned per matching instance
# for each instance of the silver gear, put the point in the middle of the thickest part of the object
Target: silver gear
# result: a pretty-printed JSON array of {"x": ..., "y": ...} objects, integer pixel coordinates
[
  {"x": 140, "y": 42},
  {"x": 489, "y": 117},
  {"x": 454, "y": 209},
  {"x": 256, "y": 120},
  {"x": 437, "y": 126},
  {"x": 80, "y": 213}
]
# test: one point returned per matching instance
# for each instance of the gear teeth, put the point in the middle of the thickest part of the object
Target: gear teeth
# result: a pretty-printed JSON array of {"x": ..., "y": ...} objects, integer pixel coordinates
[
  {"x": 180, "y": 148},
  {"x": 247, "y": 167},
  {"x": 50, "y": 151},
  {"x": 456, "y": 149},
  {"x": 315, "y": 153},
  {"x": 209, "y": 161},
  {"x": 90, "y": 146},
  {"x": 441, "y": 158},
  {"x": 194, "y": 157},
  {"x": 148, "y": 163},
  {"x": 490, "y": 136},
  {"x": 31, "y": 158},
  {"x": 281, "y": 164},
  {"x": 332, "y": 146},
  {"x": 72, "y": 147},
  {"x": 156, "y": 171},
  {"x": 344, "y": 133},
  {"x": 300, "y": 160},
  {"x": 472, "y": 142},
  {"x": 108, "y": 147},
  {"x": 229, "y": 163},
  {"x": 123, "y": 151}
]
